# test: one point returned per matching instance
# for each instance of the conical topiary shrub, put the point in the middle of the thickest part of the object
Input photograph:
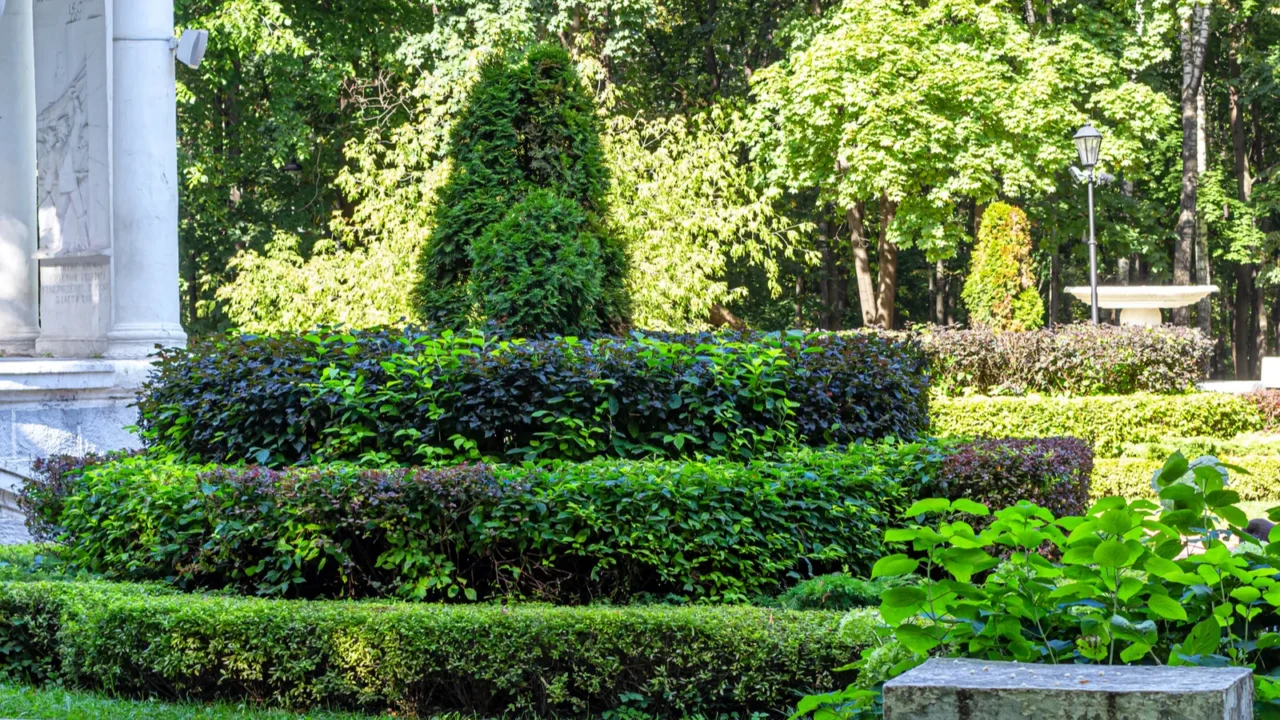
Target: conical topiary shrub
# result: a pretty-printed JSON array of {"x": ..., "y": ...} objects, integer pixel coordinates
[
  {"x": 1000, "y": 291},
  {"x": 529, "y": 129}
]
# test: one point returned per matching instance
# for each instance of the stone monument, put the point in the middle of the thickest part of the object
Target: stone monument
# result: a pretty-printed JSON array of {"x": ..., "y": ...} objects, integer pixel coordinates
[{"x": 88, "y": 222}]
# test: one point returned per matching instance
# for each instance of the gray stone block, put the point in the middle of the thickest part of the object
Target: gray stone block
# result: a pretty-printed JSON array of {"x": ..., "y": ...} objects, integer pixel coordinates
[{"x": 954, "y": 689}]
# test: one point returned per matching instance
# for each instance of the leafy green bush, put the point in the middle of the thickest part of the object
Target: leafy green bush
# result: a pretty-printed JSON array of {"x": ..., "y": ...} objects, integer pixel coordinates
[
  {"x": 1108, "y": 422},
  {"x": 839, "y": 591},
  {"x": 518, "y": 237},
  {"x": 1000, "y": 291},
  {"x": 400, "y": 396},
  {"x": 1081, "y": 359},
  {"x": 1138, "y": 582},
  {"x": 1131, "y": 477},
  {"x": 563, "y": 531},
  {"x": 413, "y": 659},
  {"x": 538, "y": 269}
]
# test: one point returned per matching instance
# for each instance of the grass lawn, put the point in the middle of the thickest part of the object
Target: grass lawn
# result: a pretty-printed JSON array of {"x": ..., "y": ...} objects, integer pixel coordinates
[{"x": 24, "y": 703}]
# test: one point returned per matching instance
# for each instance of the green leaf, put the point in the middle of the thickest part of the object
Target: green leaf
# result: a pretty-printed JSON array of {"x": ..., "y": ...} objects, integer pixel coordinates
[
  {"x": 915, "y": 638},
  {"x": 894, "y": 566},
  {"x": 968, "y": 506},
  {"x": 1116, "y": 522},
  {"x": 1111, "y": 554},
  {"x": 1174, "y": 468},
  {"x": 929, "y": 505},
  {"x": 902, "y": 597},
  {"x": 1166, "y": 607}
]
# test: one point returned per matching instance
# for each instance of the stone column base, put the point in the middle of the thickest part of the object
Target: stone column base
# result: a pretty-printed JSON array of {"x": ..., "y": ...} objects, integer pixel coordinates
[{"x": 140, "y": 341}]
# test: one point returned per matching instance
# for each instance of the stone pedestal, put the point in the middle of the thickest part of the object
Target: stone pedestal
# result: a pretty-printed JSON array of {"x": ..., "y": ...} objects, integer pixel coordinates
[
  {"x": 18, "y": 304},
  {"x": 51, "y": 407},
  {"x": 972, "y": 689}
]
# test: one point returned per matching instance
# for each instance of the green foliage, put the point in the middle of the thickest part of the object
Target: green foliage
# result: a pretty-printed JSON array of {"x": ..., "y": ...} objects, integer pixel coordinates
[
  {"x": 1135, "y": 593},
  {"x": 931, "y": 104},
  {"x": 518, "y": 661},
  {"x": 1107, "y": 422},
  {"x": 688, "y": 212},
  {"x": 839, "y": 591},
  {"x": 525, "y": 148},
  {"x": 563, "y": 531},
  {"x": 1000, "y": 291},
  {"x": 1131, "y": 477},
  {"x": 1077, "y": 359},
  {"x": 387, "y": 396},
  {"x": 538, "y": 269},
  {"x": 29, "y": 702}
]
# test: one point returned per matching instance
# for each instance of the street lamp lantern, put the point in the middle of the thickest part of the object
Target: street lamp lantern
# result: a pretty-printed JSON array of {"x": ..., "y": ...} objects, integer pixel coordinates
[{"x": 1088, "y": 143}]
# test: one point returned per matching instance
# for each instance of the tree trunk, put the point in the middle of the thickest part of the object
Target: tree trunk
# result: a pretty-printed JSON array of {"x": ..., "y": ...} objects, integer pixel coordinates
[
  {"x": 1195, "y": 33},
  {"x": 887, "y": 256},
  {"x": 1241, "y": 334},
  {"x": 1030, "y": 7},
  {"x": 940, "y": 297},
  {"x": 862, "y": 265},
  {"x": 799, "y": 316},
  {"x": 1055, "y": 292},
  {"x": 1258, "y": 343}
]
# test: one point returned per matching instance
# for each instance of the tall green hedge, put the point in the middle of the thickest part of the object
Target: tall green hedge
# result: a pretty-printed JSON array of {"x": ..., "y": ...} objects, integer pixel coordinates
[
  {"x": 1108, "y": 422},
  {"x": 415, "y": 659}
]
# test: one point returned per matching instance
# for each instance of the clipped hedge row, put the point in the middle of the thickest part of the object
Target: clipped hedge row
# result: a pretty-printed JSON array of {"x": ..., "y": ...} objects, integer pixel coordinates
[
  {"x": 1131, "y": 477},
  {"x": 400, "y": 396},
  {"x": 566, "y": 532},
  {"x": 1108, "y": 422},
  {"x": 1081, "y": 359},
  {"x": 416, "y": 659}
]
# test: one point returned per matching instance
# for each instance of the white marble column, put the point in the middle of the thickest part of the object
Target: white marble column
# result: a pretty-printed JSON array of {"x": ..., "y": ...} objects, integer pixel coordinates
[
  {"x": 145, "y": 189},
  {"x": 18, "y": 237}
]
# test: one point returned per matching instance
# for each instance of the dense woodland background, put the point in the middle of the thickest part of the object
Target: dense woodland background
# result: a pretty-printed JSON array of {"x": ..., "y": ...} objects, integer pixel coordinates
[{"x": 775, "y": 163}]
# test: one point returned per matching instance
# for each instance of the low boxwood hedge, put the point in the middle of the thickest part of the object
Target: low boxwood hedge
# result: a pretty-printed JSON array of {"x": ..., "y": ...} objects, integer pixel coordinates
[
  {"x": 417, "y": 659},
  {"x": 1131, "y": 477},
  {"x": 401, "y": 396},
  {"x": 1108, "y": 422}
]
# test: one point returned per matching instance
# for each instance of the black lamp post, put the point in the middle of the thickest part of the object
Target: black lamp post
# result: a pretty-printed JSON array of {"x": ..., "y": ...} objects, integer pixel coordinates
[{"x": 1088, "y": 143}]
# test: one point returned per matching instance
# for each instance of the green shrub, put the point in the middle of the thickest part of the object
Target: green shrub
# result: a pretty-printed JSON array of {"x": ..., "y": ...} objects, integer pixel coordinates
[
  {"x": 562, "y": 531},
  {"x": 413, "y": 659},
  {"x": 399, "y": 396},
  {"x": 1144, "y": 582},
  {"x": 1000, "y": 291},
  {"x": 1080, "y": 359},
  {"x": 839, "y": 591},
  {"x": 1131, "y": 477},
  {"x": 518, "y": 238},
  {"x": 538, "y": 269},
  {"x": 1108, "y": 422}
]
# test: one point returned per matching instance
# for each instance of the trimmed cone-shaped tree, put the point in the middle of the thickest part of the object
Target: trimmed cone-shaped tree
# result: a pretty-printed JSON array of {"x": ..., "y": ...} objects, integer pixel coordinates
[
  {"x": 1000, "y": 291},
  {"x": 529, "y": 127}
]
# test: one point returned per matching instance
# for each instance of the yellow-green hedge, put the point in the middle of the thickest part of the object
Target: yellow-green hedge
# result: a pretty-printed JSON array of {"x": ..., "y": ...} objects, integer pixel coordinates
[
  {"x": 1108, "y": 421},
  {"x": 1131, "y": 477}
]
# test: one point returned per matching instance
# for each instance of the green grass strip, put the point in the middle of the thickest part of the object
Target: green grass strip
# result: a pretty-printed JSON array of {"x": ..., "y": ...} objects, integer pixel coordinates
[{"x": 27, "y": 703}]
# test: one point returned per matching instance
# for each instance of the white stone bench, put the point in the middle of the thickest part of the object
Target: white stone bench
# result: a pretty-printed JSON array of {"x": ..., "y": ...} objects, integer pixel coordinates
[{"x": 979, "y": 690}]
